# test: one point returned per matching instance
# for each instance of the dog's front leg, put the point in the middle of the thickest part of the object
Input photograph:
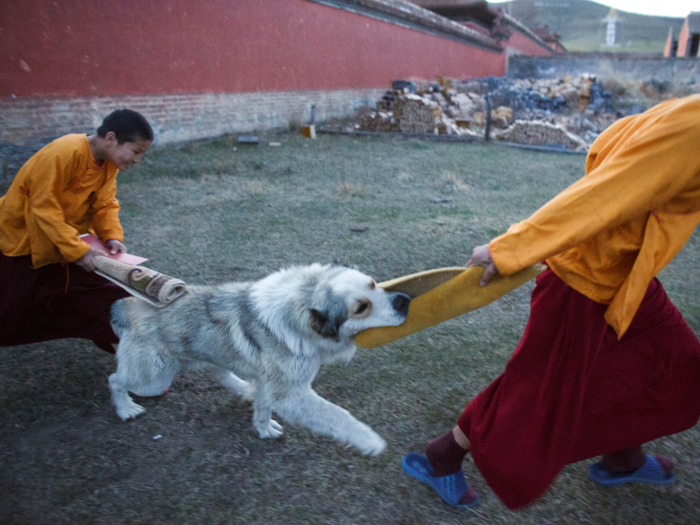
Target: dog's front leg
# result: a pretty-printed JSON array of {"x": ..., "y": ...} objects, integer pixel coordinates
[
  {"x": 262, "y": 413},
  {"x": 126, "y": 408},
  {"x": 307, "y": 408}
]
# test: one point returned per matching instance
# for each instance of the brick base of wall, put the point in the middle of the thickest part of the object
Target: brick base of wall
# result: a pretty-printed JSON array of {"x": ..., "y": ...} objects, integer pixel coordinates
[
  {"x": 177, "y": 118},
  {"x": 26, "y": 124}
]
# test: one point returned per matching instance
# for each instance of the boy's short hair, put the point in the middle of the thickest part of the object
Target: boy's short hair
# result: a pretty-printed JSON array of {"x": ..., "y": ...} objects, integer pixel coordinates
[{"x": 128, "y": 126}]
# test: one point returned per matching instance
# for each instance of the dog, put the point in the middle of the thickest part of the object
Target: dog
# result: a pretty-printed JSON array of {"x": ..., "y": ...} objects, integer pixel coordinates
[{"x": 263, "y": 340}]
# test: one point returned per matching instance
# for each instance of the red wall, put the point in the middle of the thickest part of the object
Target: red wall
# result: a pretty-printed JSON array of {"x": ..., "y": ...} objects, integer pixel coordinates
[
  {"x": 683, "y": 38},
  {"x": 110, "y": 47},
  {"x": 526, "y": 45}
]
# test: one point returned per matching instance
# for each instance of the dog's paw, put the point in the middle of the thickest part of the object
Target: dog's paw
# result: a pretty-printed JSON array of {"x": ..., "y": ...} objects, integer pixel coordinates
[
  {"x": 371, "y": 444},
  {"x": 269, "y": 429},
  {"x": 129, "y": 410}
]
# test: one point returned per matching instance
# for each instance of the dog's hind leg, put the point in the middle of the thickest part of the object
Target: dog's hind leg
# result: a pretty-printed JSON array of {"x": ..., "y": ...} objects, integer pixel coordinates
[
  {"x": 262, "y": 413},
  {"x": 141, "y": 369},
  {"x": 235, "y": 384},
  {"x": 306, "y": 407}
]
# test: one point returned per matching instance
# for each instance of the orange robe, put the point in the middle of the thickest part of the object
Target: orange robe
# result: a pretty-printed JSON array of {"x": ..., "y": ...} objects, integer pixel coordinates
[
  {"x": 59, "y": 194},
  {"x": 589, "y": 377},
  {"x": 611, "y": 232}
]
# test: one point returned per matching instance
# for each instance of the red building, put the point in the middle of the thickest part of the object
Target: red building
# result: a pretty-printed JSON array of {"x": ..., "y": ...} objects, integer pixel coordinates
[
  {"x": 202, "y": 69},
  {"x": 553, "y": 40},
  {"x": 688, "y": 43}
]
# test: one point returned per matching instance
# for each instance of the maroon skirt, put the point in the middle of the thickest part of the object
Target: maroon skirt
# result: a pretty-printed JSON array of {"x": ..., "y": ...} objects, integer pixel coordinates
[
  {"x": 572, "y": 390},
  {"x": 55, "y": 301}
]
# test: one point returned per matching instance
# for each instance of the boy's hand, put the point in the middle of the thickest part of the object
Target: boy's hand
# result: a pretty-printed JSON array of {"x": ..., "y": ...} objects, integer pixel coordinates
[
  {"x": 481, "y": 256},
  {"x": 115, "y": 247},
  {"x": 87, "y": 261}
]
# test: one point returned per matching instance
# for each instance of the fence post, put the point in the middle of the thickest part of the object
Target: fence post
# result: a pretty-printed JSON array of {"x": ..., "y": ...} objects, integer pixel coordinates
[{"x": 487, "y": 133}]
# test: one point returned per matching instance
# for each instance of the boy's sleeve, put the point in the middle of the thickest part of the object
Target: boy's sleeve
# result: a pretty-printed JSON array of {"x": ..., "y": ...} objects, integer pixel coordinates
[
  {"x": 649, "y": 170},
  {"x": 44, "y": 189},
  {"x": 104, "y": 211}
]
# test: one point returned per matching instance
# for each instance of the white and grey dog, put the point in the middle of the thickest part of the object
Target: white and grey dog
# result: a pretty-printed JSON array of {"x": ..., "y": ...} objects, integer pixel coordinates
[{"x": 263, "y": 340}]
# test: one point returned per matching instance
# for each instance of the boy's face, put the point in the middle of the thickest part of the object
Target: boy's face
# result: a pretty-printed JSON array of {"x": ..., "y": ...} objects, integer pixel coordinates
[{"x": 127, "y": 154}]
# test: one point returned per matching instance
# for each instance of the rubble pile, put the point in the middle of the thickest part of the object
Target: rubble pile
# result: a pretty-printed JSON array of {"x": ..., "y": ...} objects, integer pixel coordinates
[
  {"x": 544, "y": 95},
  {"x": 566, "y": 112}
]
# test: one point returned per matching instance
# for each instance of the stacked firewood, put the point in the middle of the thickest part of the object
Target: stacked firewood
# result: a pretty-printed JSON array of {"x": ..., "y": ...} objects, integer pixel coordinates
[
  {"x": 379, "y": 121},
  {"x": 540, "y": 133},
  {"x": 427, "y": 113},
  {"x": 554, "y": 109},
  {"x": 416, "y": 114},
  {"x": 403, "y": 112}
]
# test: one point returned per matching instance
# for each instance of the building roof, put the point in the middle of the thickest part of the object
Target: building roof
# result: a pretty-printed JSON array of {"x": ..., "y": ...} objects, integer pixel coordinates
[
  {"x": 409, "y": 14},
  {"x": 694, "y": 23},
  {"x": 553, "y": 39},
  {"x": 480, "y": 12},
  {"x": 461, "y": 10}
]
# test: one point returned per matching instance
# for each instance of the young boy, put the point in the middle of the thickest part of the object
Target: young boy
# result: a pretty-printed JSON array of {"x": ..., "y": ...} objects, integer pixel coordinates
[
  {"x": 68, "y": 188},
  {"x": 606, "y": 363}
]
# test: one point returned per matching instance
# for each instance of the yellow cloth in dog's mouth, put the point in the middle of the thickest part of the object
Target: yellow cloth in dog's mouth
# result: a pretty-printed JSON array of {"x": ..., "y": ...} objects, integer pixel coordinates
[{"x": 439, "y": 295}]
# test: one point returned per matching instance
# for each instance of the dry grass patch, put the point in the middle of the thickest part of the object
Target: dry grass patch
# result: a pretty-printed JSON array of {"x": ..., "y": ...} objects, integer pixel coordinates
[{"x": 208, "y": 213}]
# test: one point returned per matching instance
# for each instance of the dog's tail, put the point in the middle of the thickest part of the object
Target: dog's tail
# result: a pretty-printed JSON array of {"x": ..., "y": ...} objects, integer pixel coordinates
[{"x": 119, "y": 321}]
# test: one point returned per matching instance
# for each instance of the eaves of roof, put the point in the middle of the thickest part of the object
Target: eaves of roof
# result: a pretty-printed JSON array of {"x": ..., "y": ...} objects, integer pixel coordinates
[
  {"x": 694, "y": 23},
  {"x": 461, "y": 10},
  {"x": 407, "y": 14}
]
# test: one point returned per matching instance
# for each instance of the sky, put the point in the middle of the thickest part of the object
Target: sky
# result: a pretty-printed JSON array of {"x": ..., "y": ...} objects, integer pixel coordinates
[{"x": 677, "y": 8}]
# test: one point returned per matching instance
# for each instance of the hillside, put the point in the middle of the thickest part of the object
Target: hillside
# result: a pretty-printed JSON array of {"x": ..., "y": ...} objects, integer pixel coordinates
[{"x": 580, "y": 25}]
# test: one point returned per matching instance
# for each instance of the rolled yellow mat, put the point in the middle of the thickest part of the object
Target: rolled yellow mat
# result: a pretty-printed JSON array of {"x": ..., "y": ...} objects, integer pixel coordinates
[{"x": 439, "y": 295}]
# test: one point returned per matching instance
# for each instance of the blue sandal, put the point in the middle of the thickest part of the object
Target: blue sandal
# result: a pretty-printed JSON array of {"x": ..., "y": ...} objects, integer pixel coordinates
[
  {"x": 450, "y": 488},
  {"x": 651, "y": 472}
]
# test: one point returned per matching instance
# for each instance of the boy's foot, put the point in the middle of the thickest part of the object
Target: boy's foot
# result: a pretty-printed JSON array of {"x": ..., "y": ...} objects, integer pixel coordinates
[
  {"x": 655, "y": 471},
  {"x": 453, "y": 489}
]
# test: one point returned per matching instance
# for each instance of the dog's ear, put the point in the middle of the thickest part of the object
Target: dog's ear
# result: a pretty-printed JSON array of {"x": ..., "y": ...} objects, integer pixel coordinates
[{"x": 322, "y": 324}]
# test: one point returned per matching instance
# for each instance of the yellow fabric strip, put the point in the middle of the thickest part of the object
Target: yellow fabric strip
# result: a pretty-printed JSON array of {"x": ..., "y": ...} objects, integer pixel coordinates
[{"x": 457, "y": 296}]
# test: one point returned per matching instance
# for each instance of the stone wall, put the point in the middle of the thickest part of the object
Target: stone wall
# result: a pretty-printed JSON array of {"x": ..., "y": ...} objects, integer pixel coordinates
[{"x": 606, "y": 67}]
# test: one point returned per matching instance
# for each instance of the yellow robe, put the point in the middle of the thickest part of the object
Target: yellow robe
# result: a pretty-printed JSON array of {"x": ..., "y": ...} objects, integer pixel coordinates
[
  {"x": 612, "y": 231},
  {"x": 59, "y": 194}
]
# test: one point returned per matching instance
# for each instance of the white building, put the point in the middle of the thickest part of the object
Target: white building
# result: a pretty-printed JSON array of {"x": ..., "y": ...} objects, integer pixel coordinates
[{"x": 611, "y": 19}]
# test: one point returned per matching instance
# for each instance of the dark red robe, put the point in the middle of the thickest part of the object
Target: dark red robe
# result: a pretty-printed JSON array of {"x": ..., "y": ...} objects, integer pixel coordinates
[
  {"x": 55, "y": 301},
  {"x": 572, "y": 390}
]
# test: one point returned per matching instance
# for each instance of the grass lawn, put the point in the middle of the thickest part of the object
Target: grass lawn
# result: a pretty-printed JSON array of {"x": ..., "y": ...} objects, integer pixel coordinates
[{"x": 219, "y": 211}]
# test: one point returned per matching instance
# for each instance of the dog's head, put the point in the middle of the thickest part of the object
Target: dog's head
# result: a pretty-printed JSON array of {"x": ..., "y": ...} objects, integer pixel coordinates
[
  {"x": 330, "y": 303},
  {"x": 348, "y": 301}
]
